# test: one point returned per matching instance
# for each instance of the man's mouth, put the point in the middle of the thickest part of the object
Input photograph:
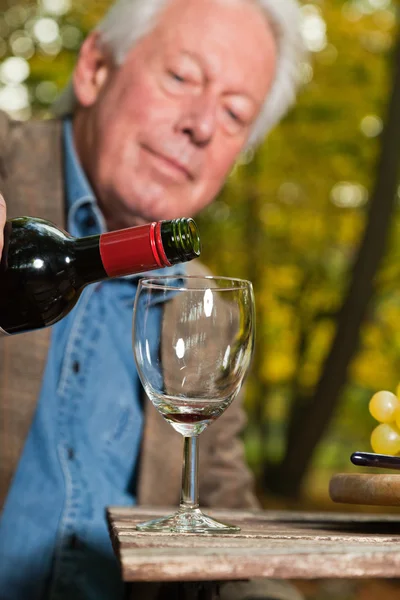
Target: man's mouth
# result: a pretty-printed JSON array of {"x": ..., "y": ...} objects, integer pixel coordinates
[{"x": 170, "y": 163}]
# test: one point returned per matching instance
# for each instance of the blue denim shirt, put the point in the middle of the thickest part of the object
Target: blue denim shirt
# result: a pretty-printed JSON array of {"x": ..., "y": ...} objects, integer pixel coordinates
[{"x": 82, "y": 448}]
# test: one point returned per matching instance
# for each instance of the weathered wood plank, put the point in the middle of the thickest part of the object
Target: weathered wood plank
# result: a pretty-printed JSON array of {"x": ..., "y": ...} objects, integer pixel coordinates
[{"x": 288, "y": 545}]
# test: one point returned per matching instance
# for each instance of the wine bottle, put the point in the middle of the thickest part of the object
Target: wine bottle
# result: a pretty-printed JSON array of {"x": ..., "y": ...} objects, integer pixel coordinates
[{"x": 43, "y": 269}]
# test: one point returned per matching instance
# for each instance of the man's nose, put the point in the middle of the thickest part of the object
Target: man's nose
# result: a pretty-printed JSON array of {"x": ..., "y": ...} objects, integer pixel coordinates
[{"x": 198, "y": 120}]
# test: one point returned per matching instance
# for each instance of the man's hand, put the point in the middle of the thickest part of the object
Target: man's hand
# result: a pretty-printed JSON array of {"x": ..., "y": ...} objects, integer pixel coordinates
[{"x": 3, "y": 217}]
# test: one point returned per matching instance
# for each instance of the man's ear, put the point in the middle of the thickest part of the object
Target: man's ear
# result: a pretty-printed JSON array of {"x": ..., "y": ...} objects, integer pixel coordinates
[{"x": 91, "y": 71}]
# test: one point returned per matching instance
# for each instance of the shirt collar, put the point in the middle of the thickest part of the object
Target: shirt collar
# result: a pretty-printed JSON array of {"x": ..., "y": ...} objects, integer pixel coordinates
[{"x": 82, "y": 206}]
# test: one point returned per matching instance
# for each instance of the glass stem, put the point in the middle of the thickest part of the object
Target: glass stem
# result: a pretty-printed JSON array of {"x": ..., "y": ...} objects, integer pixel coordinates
[{"x": 190, "y": 482}]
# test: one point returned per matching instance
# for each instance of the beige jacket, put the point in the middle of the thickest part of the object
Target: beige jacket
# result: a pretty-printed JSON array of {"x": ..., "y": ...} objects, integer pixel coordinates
[{"x": 31, "y": 180}]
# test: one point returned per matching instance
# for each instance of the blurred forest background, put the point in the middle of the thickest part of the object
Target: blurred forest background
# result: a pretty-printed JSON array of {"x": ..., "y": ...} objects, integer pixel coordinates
[{"x": 312, "y": 218}]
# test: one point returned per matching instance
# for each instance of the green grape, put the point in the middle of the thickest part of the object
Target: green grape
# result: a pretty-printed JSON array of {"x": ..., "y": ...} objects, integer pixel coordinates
[
  {"x": 383, "y": 406},
  {"x": 385, "y": 439}
]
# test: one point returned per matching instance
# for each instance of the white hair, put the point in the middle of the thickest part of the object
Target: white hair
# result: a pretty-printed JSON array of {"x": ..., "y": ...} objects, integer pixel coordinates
[{"x": 128, "y": 21}]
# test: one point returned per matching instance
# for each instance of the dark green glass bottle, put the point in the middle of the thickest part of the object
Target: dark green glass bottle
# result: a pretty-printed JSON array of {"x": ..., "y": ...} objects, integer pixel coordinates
[{"x": 43, "y": 269}]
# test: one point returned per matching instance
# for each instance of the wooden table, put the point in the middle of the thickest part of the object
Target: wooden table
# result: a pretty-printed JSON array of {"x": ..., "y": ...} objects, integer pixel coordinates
[{"x": 279, "y": 544}]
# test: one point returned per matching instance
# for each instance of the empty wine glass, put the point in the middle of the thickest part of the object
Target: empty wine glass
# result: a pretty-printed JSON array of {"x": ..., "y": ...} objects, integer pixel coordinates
[{"x": 193, "y": 339}]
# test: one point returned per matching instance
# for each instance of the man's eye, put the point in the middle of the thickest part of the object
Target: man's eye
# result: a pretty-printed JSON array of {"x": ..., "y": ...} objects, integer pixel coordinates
[
  {"x": 233, "y": 116},
  {"x": 177, "y": 77}
]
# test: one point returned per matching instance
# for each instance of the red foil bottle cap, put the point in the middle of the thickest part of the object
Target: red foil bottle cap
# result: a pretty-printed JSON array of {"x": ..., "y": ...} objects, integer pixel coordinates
[{"x": 133, "y": 250}]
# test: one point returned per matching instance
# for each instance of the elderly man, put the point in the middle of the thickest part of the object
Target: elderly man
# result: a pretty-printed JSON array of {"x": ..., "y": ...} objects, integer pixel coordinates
[{"x": 164, "y": 97}]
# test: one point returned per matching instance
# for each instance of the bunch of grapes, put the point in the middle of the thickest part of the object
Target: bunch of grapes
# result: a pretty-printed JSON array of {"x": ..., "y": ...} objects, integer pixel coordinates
[{"x": 385, "y": 407}]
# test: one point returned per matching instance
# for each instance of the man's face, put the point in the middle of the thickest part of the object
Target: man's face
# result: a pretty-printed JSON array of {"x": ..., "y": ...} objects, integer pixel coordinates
[{"x": 163, "y": 130}]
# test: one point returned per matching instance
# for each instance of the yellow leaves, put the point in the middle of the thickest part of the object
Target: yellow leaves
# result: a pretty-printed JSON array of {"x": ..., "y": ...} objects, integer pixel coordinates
[
  {"x": 277, "y": 367},
  {"x": 350, "y": 228},
  {"x": 321, "y": 340},
  {"x": 309, "y": 375},
  {"x": 310, "y": 228},
  {"x": 321, "y": 299},
  {"x": 90, "y": 12},
  {"x": 276, "y": 407},
  {"x": 251, "y": 400},
  {"x": 372, "y": 335},
  {"x": 274, "y": 218},
  {"x": 318, "y": 347},
  {"x": 373, "y": 369},
  {"x": 283, "y": 278},
  {"x": 389, "y": 316}
]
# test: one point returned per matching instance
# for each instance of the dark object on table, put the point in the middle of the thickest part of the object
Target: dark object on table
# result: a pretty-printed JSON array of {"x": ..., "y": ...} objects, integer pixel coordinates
[{"x": 370, "y": 459}]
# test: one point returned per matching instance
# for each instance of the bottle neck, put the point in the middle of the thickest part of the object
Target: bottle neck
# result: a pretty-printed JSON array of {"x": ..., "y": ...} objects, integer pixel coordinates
[{"x": 180, "y": 240}]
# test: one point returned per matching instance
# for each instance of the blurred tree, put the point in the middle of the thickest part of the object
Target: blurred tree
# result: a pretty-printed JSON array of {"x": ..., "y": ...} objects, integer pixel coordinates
[
  {"x": 295, "y": 215},
  {"x": 310, "y": 416}
]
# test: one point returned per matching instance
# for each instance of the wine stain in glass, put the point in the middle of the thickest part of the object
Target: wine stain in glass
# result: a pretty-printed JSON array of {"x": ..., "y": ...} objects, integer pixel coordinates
[{"x": 189, "y": 417}]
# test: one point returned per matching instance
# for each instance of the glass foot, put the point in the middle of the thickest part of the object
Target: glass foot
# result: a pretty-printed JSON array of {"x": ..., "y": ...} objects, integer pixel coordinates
[{"x": 187, "y": 521}]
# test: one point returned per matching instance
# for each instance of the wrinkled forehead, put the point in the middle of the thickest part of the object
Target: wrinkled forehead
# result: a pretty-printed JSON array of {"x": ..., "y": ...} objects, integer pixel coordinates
[
  {"x": 238, "y": 28},
  {"x": 232, "y": 38}
]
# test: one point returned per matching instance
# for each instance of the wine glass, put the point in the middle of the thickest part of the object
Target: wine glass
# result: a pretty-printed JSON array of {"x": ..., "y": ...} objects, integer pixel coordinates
[{"x": 193, "y": 339}]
